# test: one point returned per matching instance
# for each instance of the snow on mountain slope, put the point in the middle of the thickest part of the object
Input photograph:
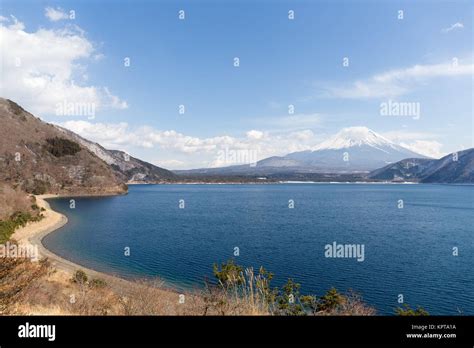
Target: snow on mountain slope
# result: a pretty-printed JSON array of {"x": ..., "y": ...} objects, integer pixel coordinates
[
  {"x": 352, "y": 149},
  {"x": 356, "y": 136}
]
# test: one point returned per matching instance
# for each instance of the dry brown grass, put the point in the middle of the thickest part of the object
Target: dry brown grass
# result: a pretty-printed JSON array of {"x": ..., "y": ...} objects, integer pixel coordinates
[
  {"x": 351, "y": 304},
  {"x": 17, "y": 277},
  {"x": 36, "y": 288},
  {"x": 13, "y": 200},
  {"x": 240, "y": 294}
]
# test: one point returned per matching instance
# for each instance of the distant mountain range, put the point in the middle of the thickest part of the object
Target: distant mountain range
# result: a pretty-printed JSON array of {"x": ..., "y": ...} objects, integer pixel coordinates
[
  {"x": 43, "y": 158},
  {"x": 453, "y": 168},
  {"x": 353, "y": 154},
  {"x": 352, "y": 150}
]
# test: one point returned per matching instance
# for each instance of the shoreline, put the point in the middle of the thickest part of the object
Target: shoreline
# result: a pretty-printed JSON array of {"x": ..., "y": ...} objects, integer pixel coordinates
[
  {"x": 33, "y": 233},
  {"x": 263, "y": 182}
]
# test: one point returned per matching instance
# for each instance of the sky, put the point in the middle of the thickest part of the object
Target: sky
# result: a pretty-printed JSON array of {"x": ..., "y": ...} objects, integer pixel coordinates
[{"x": 160, "y": 79}]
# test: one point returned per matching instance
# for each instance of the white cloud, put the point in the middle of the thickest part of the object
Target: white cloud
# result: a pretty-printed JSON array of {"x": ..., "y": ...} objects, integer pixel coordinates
[
  {"x": 399, "y": 136},
  {"x": 55, "y": 14},
  {"x": 454, "y": 26},
  {"x": 15, "y": 24},
  {"x": 425, "y": 147},
  {"x": 419, "y": 142},
  {"x": 398, "y": 82},
  {"x": 254, "y": 134},
  {"x": 45, "y": 68},
  {"x": 182, "y": 151},
  {"x": 113, "y": 101},
  {"x": 193, "y": 151}
]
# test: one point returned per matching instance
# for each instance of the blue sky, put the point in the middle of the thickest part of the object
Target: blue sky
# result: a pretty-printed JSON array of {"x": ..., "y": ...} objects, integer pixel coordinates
[{"x": 190, "y": 62}]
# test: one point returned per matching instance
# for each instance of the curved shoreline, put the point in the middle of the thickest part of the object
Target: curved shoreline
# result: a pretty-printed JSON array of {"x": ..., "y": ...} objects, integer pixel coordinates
[{"x": 34, "y": 232}]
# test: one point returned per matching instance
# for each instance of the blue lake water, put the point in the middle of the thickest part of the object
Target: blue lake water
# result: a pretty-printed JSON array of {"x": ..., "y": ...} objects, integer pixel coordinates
[{"x": 408, "y": 251}]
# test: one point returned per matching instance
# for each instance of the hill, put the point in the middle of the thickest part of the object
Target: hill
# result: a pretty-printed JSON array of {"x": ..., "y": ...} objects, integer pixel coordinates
[
  {"x": 126, "y": 167},
  {"x": 38, "y": 158},
  {"x": 449, "y": 169}
]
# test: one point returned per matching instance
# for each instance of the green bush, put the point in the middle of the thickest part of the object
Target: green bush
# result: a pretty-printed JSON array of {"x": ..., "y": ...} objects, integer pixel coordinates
[
  {"x": 330, "y": 301},
  {"x": 408, "y": 311},
  {"x": 80, "y": 277},
  {"x": 228, "y": 273},
  {"x": 17, "y": 219},
  {"x": 7, "y": 227},
  {"x": 288, "y": 300},
  {"x": 62, "y": 147},
  {"x": 245, "y": 287},
  {"x": 98, "y": 283}
]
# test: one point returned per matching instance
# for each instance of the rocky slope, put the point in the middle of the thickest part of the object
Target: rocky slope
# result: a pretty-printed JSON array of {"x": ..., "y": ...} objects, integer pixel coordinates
[
  {"x": 127, "y": 168},
  {"x": 38, "y": 158}
]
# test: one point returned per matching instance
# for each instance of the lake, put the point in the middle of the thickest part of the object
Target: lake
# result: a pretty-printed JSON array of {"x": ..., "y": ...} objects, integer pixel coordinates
[{"x": 177, "y": 232}]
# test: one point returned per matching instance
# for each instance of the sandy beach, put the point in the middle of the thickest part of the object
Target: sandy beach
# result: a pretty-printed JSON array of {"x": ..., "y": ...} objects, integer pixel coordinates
[
  {"x": 34, "y": 232},
  {"x": 63, "y": 270}
]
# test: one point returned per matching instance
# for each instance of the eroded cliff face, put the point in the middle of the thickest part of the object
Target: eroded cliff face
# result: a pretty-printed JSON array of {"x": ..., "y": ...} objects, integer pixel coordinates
[
  {"x": 38, "y": 158},
  {"x": 126, "y": 167}
]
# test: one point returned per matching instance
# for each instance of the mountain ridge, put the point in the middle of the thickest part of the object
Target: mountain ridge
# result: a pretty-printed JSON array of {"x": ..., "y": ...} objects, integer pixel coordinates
[
  {"x": 130, "y": 169},
  {"x": 352, "y": 150},
  {"x": 39, "y": 157},
  {"x": 456, "y": 167},
  {"x": 35, "y": 157},
  {"x": 52, "y": 159}
]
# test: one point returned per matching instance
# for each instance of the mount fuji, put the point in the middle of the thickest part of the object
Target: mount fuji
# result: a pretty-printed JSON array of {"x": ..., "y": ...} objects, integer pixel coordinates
[{"x": 351, "y": 150}]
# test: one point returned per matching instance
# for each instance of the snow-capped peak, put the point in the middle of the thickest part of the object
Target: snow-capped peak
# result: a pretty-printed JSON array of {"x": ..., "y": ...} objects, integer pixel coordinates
[{"x": 355, "y": 136}]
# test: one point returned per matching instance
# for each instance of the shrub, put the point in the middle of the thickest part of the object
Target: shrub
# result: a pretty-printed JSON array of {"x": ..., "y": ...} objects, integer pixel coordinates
[
  {"x": 97, "y": 283},
  {"x": 238, "y": 292},
  {"x": 62, "y": 147},
  {"x": 330, "y": 301},
  {"x": 38, "y": 187},
  {"x": 408, "y": 311},
  {"x": 241, "y": 291},
  {"x": 228, "y": 273},
  {"x": 21, "y": 218},
  {"x": 80, "y": 277},
  {"x": 288, "y": 301},
  {"x": 6, "y": 230},
  {"x": 17, "y": 219}
]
